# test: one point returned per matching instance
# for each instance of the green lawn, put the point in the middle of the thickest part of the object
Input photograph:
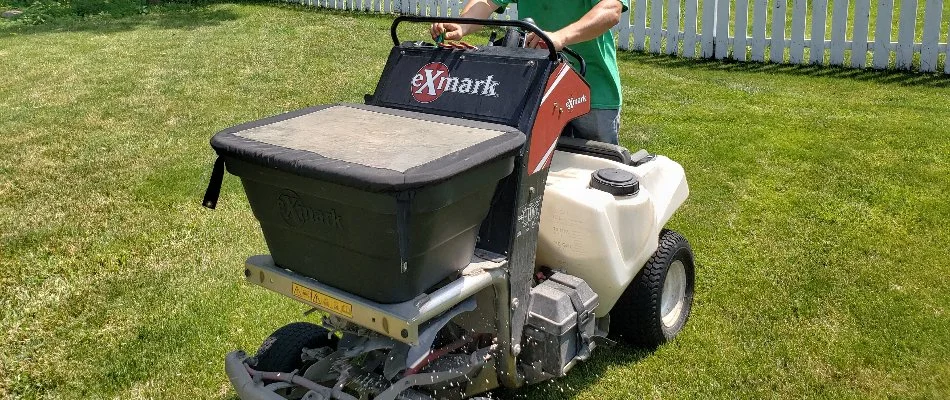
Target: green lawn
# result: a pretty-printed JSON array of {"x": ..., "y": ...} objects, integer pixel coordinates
[{"x": 818, "y": 212}]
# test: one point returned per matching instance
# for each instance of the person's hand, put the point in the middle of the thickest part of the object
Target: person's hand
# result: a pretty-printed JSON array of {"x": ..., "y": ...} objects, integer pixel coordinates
[
  {"x": 451, "y": 31},
  {"x": 534, "y": 41}
]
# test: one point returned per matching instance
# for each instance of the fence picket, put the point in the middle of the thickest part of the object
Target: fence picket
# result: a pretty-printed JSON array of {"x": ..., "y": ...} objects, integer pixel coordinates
[
  {"x": 741, "y": 30},
  {"x": 839, "y": 28},
  {"x": 656, "y": 24},
  {"x": 905, "y": 34},
  {"x": 819, "y": 17},
  {"x": 455, "y": 8},
  {"x": 709, "y": 26},
  {"x": 797, "y": 50},
  {"x": 623, "y": 34},
  {"x": 672, "y": 26},
  {"x": 759, "y": 10},
  {"x": 512, "y": 12},
  {"x": 689, "y": 29},
  {"x": 882, "y": 33},
  {"x": 665, "y": 25},
  {"x": 928, "y": 48},
  {"x": 777, "y": 44},
  {"x": 946, "y": 60},
  {"x": 859, "y": 38},
  {"x": 639, "y": 24},
  {"x": 722, "y": 29}
]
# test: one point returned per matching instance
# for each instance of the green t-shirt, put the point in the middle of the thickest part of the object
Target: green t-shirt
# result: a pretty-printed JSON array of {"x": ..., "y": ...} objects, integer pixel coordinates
[{"x": 600, "y": 54}]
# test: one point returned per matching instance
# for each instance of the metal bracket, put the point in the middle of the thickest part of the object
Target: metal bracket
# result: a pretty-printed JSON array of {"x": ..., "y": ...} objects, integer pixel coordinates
[{"x": 400, "y": 321}]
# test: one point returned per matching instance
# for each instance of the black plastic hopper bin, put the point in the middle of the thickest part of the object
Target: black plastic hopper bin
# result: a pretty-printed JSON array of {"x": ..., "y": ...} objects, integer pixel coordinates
[{"x": 379, "y": 202}]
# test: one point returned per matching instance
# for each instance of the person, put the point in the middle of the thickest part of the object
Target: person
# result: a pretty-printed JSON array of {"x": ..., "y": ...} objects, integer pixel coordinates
[{"x": 584, "y": 26}]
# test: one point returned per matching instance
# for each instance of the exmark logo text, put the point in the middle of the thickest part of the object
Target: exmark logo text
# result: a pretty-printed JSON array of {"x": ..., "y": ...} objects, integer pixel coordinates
[
  {"x": 433, "y": 79},
  {"x": 570, "y": 103},
  {"x": 296, "y": 214}
]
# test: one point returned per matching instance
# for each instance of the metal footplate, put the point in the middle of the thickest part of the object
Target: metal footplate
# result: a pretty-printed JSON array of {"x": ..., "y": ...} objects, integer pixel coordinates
[{"x": 399, "y": 321}]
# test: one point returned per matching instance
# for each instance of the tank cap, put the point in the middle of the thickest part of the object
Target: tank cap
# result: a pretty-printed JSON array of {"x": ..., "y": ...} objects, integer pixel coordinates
[{"x": 615, "y": 181}]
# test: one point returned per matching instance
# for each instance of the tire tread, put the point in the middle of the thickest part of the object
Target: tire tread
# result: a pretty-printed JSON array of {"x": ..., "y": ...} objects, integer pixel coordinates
[
  {"x": 636, "y": 319},
  {"x": 287, "y": 343}
]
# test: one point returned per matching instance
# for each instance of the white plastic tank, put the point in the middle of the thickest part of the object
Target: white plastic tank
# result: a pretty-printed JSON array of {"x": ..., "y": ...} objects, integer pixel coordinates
[{"x": 602, "y": 238}]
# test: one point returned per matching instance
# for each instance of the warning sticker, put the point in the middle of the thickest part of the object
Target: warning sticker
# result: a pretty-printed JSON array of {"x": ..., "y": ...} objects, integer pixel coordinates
[{"x": 323, "y": 301}]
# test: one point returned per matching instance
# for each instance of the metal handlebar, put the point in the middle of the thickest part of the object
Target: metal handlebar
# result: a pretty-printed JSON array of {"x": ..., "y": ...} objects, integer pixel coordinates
[
  {"x": 580, "y": 60},
  {"x": 475, "y": 21}
]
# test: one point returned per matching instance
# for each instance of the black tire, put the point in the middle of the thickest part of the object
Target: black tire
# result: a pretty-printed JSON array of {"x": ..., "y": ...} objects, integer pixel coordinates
[
  {"x": 281, "y": 351},
  {"x": 637, "y": 317}
]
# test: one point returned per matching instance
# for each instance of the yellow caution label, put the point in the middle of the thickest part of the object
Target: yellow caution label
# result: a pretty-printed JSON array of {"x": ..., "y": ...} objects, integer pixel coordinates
[{"x": 323, "y": 301}]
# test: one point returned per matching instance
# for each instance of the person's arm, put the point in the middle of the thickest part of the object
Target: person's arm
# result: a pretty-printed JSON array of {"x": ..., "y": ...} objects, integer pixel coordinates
[
  {"x": 598, "y": 20},
  {"x": 481, "y": 9}
]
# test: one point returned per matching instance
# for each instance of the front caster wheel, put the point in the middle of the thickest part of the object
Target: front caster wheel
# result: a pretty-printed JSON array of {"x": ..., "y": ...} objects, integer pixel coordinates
[{"x": 282, "y": 350}]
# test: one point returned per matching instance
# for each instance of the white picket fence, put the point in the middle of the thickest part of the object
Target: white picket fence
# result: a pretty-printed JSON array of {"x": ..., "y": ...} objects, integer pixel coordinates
[{"x": 720, "y": 29}]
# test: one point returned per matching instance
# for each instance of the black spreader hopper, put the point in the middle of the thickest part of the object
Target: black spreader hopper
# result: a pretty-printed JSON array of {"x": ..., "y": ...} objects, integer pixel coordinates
[{"x": 379, "y": 202}]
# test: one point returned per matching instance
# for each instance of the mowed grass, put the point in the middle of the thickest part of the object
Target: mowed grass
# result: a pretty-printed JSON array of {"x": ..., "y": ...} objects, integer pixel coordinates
[{"x": 818, "y": 211}]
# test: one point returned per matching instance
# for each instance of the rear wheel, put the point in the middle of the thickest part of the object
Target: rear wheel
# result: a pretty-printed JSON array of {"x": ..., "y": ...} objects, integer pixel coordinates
[
  {"x": 655, "y": 306},
  {"x": 281, "y": 351}
]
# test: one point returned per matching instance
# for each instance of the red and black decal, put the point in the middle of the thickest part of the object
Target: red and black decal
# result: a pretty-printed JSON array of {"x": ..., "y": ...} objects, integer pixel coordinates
[{"x": 566, "y": 97}]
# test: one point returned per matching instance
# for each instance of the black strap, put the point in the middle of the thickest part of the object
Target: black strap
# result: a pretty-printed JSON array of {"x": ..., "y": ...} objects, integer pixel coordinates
[
  {"x": 214, "y": 184},
  {"x": 403, "y": 202}
]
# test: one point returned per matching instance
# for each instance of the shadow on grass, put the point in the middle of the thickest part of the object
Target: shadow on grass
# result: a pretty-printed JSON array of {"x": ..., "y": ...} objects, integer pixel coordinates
[
  {"x": 889, "y": 77},
  {"x": 583, "y": 374},
  {"x": 182, "y": 17}
]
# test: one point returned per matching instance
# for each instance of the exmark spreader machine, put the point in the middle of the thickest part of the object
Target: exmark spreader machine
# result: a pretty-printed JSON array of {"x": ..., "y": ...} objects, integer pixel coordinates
[{"x": 450, "y": 239}]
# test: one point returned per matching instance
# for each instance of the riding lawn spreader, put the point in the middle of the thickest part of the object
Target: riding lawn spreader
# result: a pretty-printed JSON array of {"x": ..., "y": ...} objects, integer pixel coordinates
[{"x": 414, "y": 224}]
